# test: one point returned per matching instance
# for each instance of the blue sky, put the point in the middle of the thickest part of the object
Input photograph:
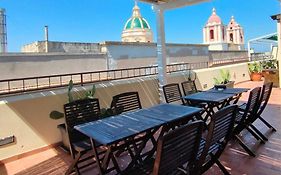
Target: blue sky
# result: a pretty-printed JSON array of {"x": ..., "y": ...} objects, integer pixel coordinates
[{"x": 103, "y": 20}]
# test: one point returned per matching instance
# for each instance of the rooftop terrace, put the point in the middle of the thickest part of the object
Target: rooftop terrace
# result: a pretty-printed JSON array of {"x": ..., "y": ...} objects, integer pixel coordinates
[{"x": 267, "y": 161}]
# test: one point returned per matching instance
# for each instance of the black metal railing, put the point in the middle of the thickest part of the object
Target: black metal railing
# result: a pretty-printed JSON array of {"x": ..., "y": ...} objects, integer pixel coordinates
[
  {"x": 27, "y": 84},
  {"x": 229, "y": 61}
]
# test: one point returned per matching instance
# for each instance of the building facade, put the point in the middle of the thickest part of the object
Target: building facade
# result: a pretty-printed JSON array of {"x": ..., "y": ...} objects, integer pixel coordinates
[{"x": 222, "y": 37}]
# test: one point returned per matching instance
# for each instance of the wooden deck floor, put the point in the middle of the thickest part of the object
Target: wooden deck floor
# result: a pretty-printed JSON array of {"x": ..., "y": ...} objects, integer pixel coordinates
[{"x": 267, "y": 161}]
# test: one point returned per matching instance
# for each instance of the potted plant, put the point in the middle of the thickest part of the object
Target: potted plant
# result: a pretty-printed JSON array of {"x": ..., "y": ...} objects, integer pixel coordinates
[
  {"x": 58, "y": 115},
  {"x": 224, "y": 79},
  {"x": 255, "y": 70},
  {"x": 270, "y": 72}
]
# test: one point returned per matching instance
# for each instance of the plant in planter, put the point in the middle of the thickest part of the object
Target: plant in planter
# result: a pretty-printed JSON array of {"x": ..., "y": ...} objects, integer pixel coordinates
[
  {"x": 224, "y": 79},
  {"x": 270, "y": 72},
  {"x": 255, "y": 71},
  {"x": 58, "y": 115}
]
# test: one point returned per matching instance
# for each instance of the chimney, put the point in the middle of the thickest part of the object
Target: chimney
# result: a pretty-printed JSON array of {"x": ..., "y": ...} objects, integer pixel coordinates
[{"x": 46, "y": 39}]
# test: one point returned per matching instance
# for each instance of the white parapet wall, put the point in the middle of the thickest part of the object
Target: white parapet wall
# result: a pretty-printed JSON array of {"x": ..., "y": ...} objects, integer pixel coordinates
[{"x": 27, "y": 116}]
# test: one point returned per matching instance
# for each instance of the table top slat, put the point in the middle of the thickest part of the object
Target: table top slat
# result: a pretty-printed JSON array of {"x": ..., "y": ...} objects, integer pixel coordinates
[
  {"x": 235, "y": 91},
  {"x": 209, "y": 97},
  {"x": 115, "y": 128}
]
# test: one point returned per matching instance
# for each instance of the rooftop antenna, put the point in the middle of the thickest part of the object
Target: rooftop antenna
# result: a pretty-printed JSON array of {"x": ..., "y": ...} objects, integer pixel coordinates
[{"x": 3, "y": 31}]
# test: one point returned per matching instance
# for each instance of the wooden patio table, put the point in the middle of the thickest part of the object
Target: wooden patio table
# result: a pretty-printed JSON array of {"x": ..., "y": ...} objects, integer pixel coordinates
[
  {"x": 120, "y": 131},
  {"x": 215, "y": 99}
]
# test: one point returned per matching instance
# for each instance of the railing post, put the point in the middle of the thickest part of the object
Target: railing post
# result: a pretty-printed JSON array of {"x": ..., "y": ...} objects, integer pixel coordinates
[{"x": 81, "y": 79}]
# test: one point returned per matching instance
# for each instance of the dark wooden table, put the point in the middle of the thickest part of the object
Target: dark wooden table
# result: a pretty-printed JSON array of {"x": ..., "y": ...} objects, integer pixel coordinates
[
  {"x": 235, "y": 91},
  {"x": 215, "y": 99},
  {"x": 111, "y": 131}
]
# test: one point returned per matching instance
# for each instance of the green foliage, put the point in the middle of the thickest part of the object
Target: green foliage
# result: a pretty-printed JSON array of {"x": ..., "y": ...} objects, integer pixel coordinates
[
  {"x": 69, "y": 94},
  {"x": 89, "y": 94},
  {"x": 106, "y": 112},
  {"x": 224, "y": 77},
  {"x": 255, "y": 67},
  {"x": 269, "y": 64}
]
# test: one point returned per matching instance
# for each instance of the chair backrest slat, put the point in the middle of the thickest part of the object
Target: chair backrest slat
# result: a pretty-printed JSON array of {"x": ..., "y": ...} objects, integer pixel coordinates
[
  {"x": 189, "y": 87},
  {"x": 265, "y": 95},
  {"x": 125, "y": 102},
  {"x": 177, "y": 148},
  {"x": 79, "y": 112},
  {"x": 172, "y": 93},
  {"x": 222, "y": 123},
  {"x": 252, "y": 104},
  {"x": 219, "y": 133}
]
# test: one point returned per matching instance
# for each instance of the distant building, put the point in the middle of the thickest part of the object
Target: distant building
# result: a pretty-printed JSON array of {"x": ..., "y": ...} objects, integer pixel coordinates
[
  {"x": 221, "y": 37},
  {"x": 57, "y": 46},
  {"x": 137, "y": 28}
]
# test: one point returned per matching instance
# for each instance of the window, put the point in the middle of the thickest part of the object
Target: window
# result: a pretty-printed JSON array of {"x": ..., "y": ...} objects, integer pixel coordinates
[
  {"x": 211, "y": 34},
  {"x": 231, "y": 37}
]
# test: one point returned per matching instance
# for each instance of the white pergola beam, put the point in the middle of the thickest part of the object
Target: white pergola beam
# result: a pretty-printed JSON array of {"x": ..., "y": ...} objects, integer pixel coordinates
[
  {"x": 160, "y": 6},
  {"x": 173, "y": 4}
]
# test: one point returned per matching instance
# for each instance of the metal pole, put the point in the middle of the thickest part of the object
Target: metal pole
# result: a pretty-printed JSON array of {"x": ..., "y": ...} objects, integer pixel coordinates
[
  {"x": 161, "y": 51},
  {"x": 249, "y": 51},
  {"x": 279, "y": 44}
]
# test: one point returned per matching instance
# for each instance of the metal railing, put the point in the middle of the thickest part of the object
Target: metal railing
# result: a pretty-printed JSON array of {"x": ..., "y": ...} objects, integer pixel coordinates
[
  {"x": 27, "y": 84},
  {"x": 229, "y": 61}
]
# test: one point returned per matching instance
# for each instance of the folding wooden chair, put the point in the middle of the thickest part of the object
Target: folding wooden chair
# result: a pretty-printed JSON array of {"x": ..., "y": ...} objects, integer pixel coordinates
[
  {"x": 125, "y": 102},
  {"x": 245, "y": 116},
  {"x": 176, "y": 153},
  {"x": 189, "y": 87},
  {"x": 173, "y": 93},
  {"x": 265, "y": 95},
  {"x": 219, "y": 133},
  {"x": 79, "y": 112}
]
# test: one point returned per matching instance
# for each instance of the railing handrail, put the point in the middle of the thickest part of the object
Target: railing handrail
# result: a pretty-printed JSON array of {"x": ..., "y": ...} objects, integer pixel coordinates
[
  {"x": 76, "y": 73},
  {"x": 27, "y": 84}
]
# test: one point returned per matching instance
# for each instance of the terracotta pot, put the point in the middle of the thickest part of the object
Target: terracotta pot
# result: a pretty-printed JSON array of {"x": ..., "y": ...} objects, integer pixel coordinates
[{"x": 256, "y": 76}]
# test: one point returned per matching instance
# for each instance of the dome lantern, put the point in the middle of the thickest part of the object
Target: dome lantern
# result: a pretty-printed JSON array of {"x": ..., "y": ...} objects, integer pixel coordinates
[{"x": 136, "y": 28}]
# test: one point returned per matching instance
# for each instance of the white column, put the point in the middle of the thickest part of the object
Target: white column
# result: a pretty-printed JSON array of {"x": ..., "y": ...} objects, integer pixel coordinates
[
  {"x": 238, "y": 36},
  {"x": 208, "y": 34},
  {"x": 249, "y": 51},
  {"x": 204, "y": 35},
  {"x": 220, "y": 33},
  {"x": 279, "y": 48},
  {"x": 161, "y": 52}
]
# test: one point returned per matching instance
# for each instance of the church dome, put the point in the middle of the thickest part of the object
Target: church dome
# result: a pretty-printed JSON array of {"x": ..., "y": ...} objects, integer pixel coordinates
[
  {"x": 214, "y": 18},
  {"x": 136, "y": 28},
  {"x": 136, "y": 21}
]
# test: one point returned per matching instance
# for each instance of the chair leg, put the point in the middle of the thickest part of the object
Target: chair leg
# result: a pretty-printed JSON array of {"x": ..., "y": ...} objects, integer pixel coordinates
[
  {"x": 223, "y": 169},
  {"x": 258, "y": 132},
  {"x": 74, "y": 164},
  {"x": 267, "y": 124},
  {"x": 255, "y": 135},
  {"x": 245, "y": 147}
]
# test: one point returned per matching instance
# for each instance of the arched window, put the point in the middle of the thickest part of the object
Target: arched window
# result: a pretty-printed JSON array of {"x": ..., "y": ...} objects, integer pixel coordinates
[
  {"x": 231, "y": 37},
  {"x": 211, "y": 34}
]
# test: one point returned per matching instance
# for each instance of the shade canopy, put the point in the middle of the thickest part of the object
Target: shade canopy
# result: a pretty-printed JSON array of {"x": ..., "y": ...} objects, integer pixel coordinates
[{"x": 172, "y": 4}]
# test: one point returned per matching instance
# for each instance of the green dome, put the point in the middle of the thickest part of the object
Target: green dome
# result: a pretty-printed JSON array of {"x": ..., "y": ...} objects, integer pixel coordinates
[{"x": 136, "y": 22}]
